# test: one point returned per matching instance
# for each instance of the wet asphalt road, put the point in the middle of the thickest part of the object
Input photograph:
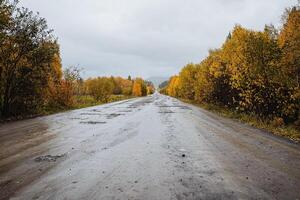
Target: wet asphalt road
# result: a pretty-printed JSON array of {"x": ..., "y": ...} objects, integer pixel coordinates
[{"x": 154, "y": 147}]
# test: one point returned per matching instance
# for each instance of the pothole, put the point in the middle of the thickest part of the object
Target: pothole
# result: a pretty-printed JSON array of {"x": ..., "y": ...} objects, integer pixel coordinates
[
  {"x": 92, "y": 122},
  {"x": 113, "y": 115},
  {"x": 166, "y": 112}
]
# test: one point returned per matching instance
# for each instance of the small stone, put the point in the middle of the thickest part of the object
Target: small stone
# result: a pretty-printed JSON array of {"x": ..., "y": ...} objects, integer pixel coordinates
[{"x": 183, "y": 155}]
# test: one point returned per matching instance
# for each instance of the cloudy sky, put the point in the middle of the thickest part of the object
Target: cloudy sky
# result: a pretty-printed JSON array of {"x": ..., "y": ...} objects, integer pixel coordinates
[{"x": 148, "y": 37}]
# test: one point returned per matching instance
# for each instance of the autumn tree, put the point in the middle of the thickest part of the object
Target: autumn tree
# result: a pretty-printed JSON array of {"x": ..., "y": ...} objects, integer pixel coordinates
[
  {"x": 150, "y": 87},
  {"x": 173, "y": 87},
  {"x": 100, "y": 88},
  {"x": 289, "y": 42},
  {"x": 187, "y": 78},
  {"x": 254, "y": 71},
  {"x": 117, "y": 83},
  {"x": 126, "y": 86},
  {"x": 139, "y": 88},
  {"x": 28, "y": 51},
  {"x": 252, "y": 59},
  {"x": 212, "y": 83},
  {"x": 62, "y": 93}
]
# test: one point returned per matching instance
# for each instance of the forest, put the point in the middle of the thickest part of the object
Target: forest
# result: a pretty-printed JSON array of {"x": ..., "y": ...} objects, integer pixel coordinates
[
  {"x": 253, "y": 72},
  {"x": 33, "y": 80}
]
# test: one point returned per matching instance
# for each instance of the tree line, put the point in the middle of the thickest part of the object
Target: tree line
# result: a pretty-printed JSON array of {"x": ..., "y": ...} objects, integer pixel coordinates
[
  {"x": 255, "y": 72},
  {"x": 74, "y": 90},
  {"x": 32, "y": 79}
]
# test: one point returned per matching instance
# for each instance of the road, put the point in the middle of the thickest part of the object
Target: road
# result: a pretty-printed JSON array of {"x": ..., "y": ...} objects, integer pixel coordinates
[{"x": 154, "y": 147}]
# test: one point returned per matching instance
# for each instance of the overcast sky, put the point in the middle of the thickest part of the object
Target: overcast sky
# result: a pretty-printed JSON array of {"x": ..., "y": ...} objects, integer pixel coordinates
[{"x": 148, "y": 37}]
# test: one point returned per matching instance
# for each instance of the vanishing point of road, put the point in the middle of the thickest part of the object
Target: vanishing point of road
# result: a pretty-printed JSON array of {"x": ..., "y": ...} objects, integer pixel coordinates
[{"x": 154, "y": 147}]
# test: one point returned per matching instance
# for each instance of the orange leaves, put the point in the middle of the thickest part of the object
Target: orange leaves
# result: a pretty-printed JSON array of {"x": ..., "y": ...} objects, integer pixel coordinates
[{"x": 139, "y": 88}]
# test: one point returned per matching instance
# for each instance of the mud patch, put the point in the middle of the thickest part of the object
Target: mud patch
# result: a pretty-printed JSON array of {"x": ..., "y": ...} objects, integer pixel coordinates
[
  {"x": 113, "y": 115},
  {"x": 92, "y": 122},
  {"x": 49, "y": 158}
]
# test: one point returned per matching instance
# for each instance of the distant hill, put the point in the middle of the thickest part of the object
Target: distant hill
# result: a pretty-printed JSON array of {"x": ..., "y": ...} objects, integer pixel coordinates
[
  {"x": 163, "y": 84},
  {"x": 157, "y": 80}
]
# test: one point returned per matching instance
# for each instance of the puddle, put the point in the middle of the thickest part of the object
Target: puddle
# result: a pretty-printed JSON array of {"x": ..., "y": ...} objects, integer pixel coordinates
[
  {"x": 181, "y": 107},
  {"x": 48, "y": 158},
  {"x": 125, "y": 111},
  {"x": 132, "y": 106},
  {"x": 78, "y": 118}
]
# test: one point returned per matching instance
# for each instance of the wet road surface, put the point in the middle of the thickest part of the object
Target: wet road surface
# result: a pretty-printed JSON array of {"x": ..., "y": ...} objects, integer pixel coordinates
[{"x": 154, "y": 147}]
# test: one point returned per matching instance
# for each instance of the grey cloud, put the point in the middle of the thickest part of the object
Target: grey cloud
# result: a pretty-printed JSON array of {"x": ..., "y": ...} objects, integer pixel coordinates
[{"x": 148, "y": 37}]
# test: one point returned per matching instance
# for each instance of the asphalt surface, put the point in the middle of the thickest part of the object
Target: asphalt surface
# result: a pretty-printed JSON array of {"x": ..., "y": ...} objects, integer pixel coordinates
[{"x": 154, "y": 147}]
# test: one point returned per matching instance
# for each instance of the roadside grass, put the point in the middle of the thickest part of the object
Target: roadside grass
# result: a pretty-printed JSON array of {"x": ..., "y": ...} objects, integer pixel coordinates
[
  {"x": 80, "y": 101},
  {"x": 84, "y": 101},
  {"x": 288, "y": 131}
]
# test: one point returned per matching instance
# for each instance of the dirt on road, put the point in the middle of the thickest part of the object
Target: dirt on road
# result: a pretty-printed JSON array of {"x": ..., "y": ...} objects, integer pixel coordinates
[{"x": 154, "y": 147}]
